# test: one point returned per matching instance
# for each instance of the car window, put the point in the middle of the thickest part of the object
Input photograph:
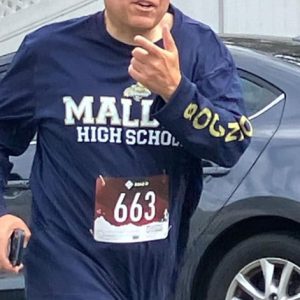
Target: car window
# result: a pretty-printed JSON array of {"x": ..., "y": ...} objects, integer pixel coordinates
[{"x": 257, "y": 92}]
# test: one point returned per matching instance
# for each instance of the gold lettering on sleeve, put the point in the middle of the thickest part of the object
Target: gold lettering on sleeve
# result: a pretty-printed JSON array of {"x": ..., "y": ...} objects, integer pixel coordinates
[
  {"x": 190, "y": 111},
  {"x": 246, "y": 126},
  {"x": 220, "y": 132},
  {"x": 207, "y": 116},
  {"x": 203, "y": 118},
  {"x": 232, "y": 135}
]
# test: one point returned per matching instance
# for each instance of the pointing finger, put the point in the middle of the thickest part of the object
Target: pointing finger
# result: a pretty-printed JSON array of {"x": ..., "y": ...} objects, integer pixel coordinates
[{"x": 169, "y": 43}]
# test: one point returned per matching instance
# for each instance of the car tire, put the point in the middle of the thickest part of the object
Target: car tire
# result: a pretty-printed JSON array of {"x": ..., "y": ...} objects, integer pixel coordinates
[{"x": 260, "y": 251}]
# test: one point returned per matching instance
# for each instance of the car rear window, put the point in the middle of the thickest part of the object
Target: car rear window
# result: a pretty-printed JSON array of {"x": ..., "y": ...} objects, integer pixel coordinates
[{"x": 257, "y": 92}]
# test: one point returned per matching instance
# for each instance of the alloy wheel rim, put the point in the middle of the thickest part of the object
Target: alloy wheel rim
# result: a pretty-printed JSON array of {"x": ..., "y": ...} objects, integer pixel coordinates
[{"x": 266, "y": 279}]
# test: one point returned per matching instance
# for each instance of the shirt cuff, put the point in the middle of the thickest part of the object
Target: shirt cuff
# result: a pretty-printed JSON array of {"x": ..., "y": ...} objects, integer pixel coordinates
[{"x": 184, "y": 94}]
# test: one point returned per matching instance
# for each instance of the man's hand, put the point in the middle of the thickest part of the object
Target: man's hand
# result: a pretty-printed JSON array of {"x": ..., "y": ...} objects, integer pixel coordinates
[
  {"x": 8, "y": 223},
  {"x": 155, "y": 68}
]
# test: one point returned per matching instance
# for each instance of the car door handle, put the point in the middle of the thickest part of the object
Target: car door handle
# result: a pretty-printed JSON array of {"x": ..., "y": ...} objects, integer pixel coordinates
[
  {"x": 212, "y": 169},
  {"x": 18, "y": 184}
]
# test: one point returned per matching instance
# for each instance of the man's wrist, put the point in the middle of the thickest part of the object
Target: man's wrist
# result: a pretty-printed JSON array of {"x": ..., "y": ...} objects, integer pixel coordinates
[{"x": 171, "y": 89}]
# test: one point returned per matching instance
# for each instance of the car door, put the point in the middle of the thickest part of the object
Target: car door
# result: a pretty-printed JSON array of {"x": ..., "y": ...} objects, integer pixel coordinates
[{"x": 264, "y": 105}]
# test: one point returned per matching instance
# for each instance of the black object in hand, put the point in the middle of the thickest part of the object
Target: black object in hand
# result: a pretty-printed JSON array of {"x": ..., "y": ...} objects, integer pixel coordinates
[{"x": 16, "y": 247}]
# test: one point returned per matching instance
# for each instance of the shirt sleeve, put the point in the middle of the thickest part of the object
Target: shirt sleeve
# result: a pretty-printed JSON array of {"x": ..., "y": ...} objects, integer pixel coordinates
[
  {"x": 207, "y": 115},
  {"x": 17, "y": 111}
]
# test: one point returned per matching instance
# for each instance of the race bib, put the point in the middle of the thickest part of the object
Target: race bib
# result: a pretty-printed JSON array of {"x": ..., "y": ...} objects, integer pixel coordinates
[{"x": 131, "y": 210}]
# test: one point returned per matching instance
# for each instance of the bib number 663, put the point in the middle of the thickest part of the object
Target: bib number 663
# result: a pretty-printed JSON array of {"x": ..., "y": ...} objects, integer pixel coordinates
[{"x": 136, "y": 211}]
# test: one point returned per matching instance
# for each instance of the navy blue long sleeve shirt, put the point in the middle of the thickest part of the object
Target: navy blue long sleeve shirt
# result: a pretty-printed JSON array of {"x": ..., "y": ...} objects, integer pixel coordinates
[{"x": 69, "y": 82}]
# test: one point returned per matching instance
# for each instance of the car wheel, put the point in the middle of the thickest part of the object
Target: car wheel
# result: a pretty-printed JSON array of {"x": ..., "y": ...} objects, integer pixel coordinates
[{"x": 263, "y": 267}]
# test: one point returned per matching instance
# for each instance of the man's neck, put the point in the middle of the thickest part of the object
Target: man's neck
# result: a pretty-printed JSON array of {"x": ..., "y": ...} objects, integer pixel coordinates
[{"x": 127, "y": 36}]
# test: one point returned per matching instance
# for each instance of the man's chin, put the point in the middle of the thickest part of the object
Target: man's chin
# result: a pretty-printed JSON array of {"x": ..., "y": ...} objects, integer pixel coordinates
[{"x": 143, "y": 24}]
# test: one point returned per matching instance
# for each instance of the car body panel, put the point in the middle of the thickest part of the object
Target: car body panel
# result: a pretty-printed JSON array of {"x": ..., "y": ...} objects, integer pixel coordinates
[{"x": 213, "y": 198}]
